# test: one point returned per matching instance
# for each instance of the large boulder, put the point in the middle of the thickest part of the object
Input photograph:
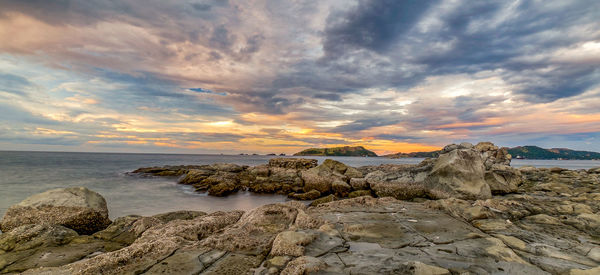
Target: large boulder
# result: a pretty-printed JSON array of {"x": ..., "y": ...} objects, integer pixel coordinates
[
  {"x": 322, "y": 177},
  {"x": 460, "y": 174},
  {"x": 77, "y": 208}
]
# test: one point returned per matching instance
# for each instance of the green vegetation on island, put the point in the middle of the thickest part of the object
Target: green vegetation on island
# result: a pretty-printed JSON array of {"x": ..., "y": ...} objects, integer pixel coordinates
[
  {"x": 534, "y": 152},
  {"x": 345, "y": 151}
]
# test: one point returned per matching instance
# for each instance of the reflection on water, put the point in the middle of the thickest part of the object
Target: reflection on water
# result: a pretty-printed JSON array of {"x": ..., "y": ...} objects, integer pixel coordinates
[{"x": 23, "y": 174}]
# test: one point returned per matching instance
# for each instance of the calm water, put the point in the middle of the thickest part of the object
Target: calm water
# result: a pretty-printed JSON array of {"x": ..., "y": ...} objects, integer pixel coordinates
[{"x": 26, "y": 173}]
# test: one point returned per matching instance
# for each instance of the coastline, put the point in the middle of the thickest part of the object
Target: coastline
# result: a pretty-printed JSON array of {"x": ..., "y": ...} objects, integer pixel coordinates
[{"x": 499, "y": 219}]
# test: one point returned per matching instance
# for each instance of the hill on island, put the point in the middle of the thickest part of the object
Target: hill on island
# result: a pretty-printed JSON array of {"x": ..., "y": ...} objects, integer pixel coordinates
[
  {"x": 525, "y": 152},
  {"x": 432, "y": 154},
  {"x": 534, "y": 152},
  {"x": 345, "y": 151}
]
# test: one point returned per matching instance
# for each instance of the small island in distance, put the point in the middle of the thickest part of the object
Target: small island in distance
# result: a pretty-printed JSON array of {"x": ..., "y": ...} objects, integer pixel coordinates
[
  {"x": 519, "y": 152},
  {"x": 344, "y": 151}
]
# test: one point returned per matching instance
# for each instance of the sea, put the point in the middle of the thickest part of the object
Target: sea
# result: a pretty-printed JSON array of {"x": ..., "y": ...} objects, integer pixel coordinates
[{"x": 23, "y": 174}]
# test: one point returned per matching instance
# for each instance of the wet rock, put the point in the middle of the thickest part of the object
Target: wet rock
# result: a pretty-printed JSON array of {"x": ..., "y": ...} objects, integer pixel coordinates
[{"x": 77, "y": 208}]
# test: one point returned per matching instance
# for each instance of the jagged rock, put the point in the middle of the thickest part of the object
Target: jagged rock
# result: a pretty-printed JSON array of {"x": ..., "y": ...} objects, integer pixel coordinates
[
  {"x": 255, "y": 231},
  {"x": 293, "y": 163},
  {"x": 77, "y": 208},
  {"x": 503, "y": 179},
  {"x": 291, "y": 243},
  {"x": 460, "y": 174}
]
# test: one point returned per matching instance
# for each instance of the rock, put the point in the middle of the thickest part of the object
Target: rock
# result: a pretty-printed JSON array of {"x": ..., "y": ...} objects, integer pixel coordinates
[
  {"x": 254, "y": 233},
  {"x": 44, "y": 245},
  {"x": 310, "y": 195},
  {"x": 35, "y": 235},
  {"x": 340, "y": 188},
  {"x": 485, "y": 146},
  {"x": 126, "y": 230},
  {"x": 156, "y": 244},
  {"x": 322, "y": 200},
  {"x": 359, "y": 184},
  {"x": 465, "y": 145},
  {"x": 460, "y": 174},
  {"x": 178, "y": 215},
  {"x": 320, "y": 178},
  {"x": 293, "y": 163},
  {"x": 359, "y": 193},
  {"x": 461, "y": 209},
  {"x": 419, "y": 268},
  {"x": 503, "y": 179},
  {"x": 77, "y": 208},
  {"x": 304, "y": 265},
  {"x": 291, "y": 243},
  {"x": 591, "y": 271}
]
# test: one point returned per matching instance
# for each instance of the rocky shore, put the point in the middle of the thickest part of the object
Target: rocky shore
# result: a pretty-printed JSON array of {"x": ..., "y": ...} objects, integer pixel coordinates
[{"x": 465, "y": 212}]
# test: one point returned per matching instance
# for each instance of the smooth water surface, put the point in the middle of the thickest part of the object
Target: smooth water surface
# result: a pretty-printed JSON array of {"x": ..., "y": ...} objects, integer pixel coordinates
[{"x": 23, "y": 174}]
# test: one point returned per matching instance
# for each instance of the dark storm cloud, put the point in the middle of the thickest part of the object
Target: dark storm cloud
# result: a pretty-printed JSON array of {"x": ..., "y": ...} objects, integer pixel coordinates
[
  {"x": 372, "y": 25},
  {"x": 364, "y": 124}
]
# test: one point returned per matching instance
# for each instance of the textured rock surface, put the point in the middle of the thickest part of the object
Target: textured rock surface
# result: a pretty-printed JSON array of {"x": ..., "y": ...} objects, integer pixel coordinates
[{"x": 77, "y": 208}]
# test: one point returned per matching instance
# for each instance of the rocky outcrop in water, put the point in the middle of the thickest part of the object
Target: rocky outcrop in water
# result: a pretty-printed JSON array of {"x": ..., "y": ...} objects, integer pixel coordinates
[{"x": 463, "y": 171}]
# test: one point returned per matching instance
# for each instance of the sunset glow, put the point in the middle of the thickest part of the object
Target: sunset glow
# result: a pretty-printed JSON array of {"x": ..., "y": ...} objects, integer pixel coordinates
[{"x": 278, "y": 77}]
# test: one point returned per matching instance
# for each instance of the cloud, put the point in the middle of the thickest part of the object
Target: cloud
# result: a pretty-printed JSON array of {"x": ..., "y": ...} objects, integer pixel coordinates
[
  {"x": 215, "y": 75},
  {"x": 14, "y": 84}
]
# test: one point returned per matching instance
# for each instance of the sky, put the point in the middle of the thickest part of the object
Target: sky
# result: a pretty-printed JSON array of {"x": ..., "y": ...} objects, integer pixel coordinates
[{"x": 217, "y": 76}]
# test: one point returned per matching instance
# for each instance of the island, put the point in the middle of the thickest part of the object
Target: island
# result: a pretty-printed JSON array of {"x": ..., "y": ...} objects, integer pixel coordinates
[
  {"x": 535, "y": 152},
  {"x": 344, "y": 151}
]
